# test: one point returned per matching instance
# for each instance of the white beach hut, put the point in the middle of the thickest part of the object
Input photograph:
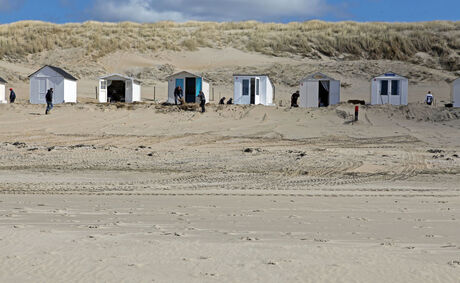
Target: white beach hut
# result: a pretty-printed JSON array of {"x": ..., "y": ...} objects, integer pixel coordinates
[
  {"x": 3, "y": 91},
  {"x": 191, "y": 85},
  {"x": 319, "y": 90},
  {"x": 63, "y": 84},
  {"x": 253, "y": 89},
  {"x": 456, "y": 93},
  {"x": 119, "y": 88},
  {"x": 389, "y": 88}
]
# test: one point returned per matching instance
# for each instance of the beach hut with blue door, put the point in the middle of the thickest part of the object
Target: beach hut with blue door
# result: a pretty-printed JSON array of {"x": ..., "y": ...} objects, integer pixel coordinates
[
  {"x": 389, "y": 88},
  {"x": 191, "y": 85}
]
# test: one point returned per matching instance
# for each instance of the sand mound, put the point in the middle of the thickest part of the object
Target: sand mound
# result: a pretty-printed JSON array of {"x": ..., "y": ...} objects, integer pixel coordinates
[{"x": 422, "y": 112}]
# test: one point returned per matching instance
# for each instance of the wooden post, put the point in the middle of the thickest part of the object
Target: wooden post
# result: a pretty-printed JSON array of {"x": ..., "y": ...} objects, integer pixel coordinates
[
  {"x": 97, "y": 94},
  {"x": 212, "y": 94},
  {"x": 154, "y": 93},
  {"x": 356, "y": 113}
]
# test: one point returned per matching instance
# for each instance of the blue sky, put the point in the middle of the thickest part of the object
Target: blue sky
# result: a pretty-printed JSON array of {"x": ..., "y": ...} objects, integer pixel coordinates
[{"x": 61, "y": 11}]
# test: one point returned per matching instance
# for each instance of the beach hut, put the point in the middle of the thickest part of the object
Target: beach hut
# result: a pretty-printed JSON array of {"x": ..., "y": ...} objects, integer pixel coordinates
[
  {"x": 389, "y": 88},
  {"x": 319, "y": 90},
  {"x": 63, "y": 84},
  {"x": 191, "y": 85},
  {"x": 3, "y": 91},
  {"x": 119, "y": 88},
  {"x": 253, "y": 89},
  {"x": 456, "y": 93}
]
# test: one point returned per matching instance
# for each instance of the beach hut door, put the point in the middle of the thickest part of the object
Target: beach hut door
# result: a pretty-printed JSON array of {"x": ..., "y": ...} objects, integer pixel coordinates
[
  {"x": 384, "y": 90},
  {"x": 199, "y": 85},
  {"x": 395, "y": 92},
  {"x": 312, "y": 94},
  {"x": 129, "y": 91},
  {"x": 103, "y": 91},
  {"x": 190, "y": 90},
  {"x": 334, "y": 94},
  {"x": 180, "y": 82},
  {"x": 253, "y": 91},
  {"x": 42, "y": 90}
]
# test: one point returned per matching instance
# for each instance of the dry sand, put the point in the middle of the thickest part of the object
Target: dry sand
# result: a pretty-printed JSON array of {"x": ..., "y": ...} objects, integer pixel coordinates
[{"x": 146, "y": 193}]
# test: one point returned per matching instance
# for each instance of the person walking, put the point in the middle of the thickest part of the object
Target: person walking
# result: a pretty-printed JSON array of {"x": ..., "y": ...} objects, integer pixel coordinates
[
  {"x": 429, "y": 98},
  {"x": 49, "y": 101},
  {"x": 294, "y": 99},
  {"x": 178, "y": 94},
  {"x": 202, "y": 98},
  {"x": 12, "y": 96}
]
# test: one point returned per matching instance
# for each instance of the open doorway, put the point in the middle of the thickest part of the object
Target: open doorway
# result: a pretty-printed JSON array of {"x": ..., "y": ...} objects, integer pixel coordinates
[
  {"x": 323, "y": 93},
  {"x": 190, "y": 90},
  {"x": 253, "y": 91},
  {"x": 116, "y": 92}
]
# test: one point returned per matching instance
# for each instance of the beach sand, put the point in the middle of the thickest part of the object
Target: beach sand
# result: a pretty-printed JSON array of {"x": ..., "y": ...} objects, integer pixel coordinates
[{"x": 150, "y": 193}]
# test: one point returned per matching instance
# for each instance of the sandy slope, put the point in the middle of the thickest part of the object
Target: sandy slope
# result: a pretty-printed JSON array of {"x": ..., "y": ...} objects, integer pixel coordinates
[
  {"x": 219, "y": 65},
  {"x": 148, "y": 193}
]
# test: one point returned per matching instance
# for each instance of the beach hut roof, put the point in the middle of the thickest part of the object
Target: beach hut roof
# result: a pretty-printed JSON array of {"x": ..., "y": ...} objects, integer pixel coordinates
[
  {"x": 59, "y": 71},
  {"x": 251, "y": 75},
  {"x": 317, "y": 76},
  {"x": 185, "y": 74},
  {"x": 390, "y": 74},
  {"x": 2, "y": 81},
  {"x": 119, "y": 77}
]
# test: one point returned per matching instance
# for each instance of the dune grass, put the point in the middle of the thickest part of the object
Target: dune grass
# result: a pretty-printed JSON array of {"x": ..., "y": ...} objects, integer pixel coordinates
[{"x": 314, "y": 39}]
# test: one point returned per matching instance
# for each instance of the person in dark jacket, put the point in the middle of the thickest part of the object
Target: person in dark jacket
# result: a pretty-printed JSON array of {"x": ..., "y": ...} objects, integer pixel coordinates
[
  {"x": 429, "y": 98},
  {"x": 294, "y": 99},
  {"x": 49, "y": 101},
  {"x": 178, "y": 94},
  {"x": 222, "y": 101},
  {"x": 230, "y": 101},
  {"x": 202, "y": 98},
  {"x": 12, "y": 96}
]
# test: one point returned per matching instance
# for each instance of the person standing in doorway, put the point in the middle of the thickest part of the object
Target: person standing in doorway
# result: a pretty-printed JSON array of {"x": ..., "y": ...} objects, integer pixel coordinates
[
  {"x": 202, "y": 98},
  {"x": 12, "y": 96},
  {"x": 178, "y": 94},
  {"x": 49, "y": 101},
  {"x": 429, "y": 98}
]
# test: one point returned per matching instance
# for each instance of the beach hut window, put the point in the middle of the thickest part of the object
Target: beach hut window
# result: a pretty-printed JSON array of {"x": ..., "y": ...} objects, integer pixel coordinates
[
  {"x": 384, "y": 88},
  {"x": 245, "y": 87},
  {"x": 394, "y": 87},
  {"x": 257, "y": 87},
  {"x": 104, "y": 85}
]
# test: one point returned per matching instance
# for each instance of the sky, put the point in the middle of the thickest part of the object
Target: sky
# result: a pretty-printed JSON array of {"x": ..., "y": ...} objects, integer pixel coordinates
[{"x": 63, "y": 11}]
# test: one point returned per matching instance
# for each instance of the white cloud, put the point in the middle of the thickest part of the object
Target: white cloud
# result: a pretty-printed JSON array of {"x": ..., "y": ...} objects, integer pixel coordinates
[
  {"x": 8, "y": 5},
  {"x": 215, "y": 10}
]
